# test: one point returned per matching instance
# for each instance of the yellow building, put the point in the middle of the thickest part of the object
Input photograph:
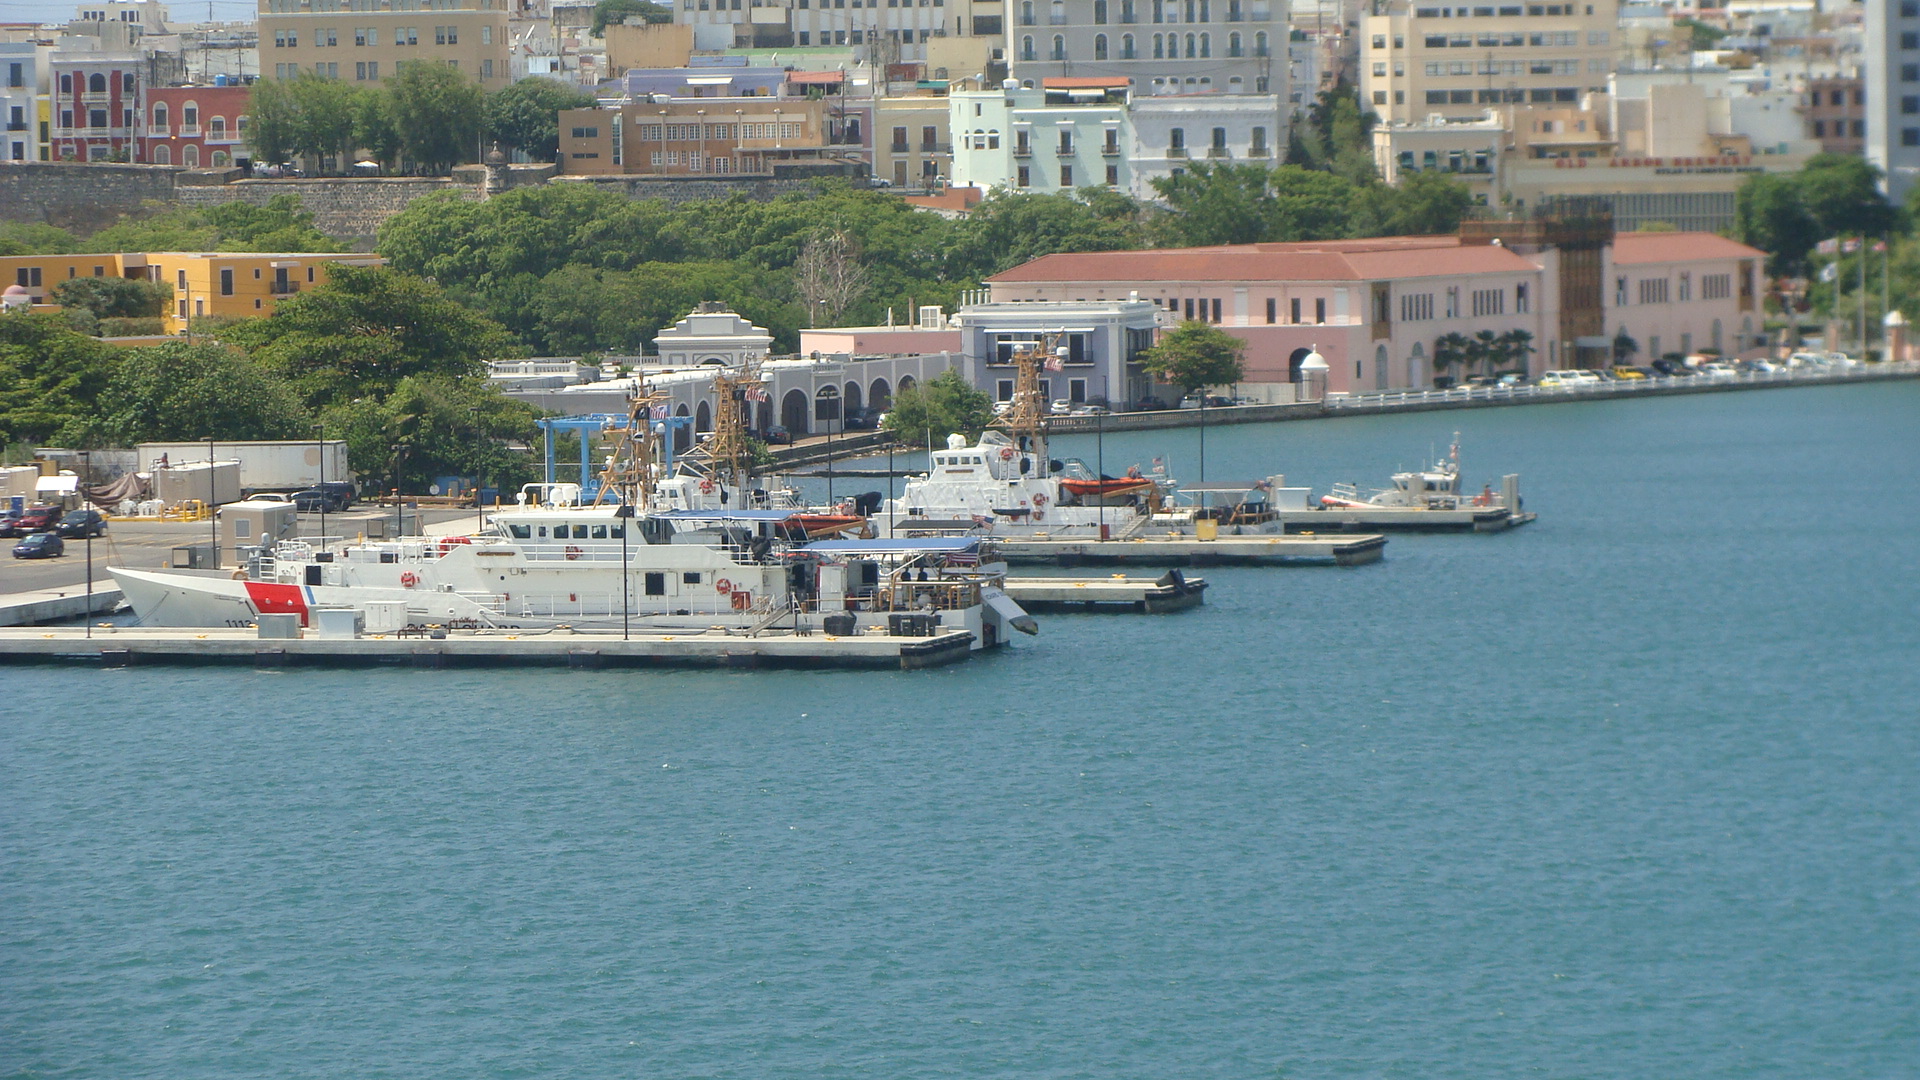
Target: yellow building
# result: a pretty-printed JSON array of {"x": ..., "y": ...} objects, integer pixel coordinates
[
  {"x": 721, "y": 136},
  {"x": 219, "y": 284},
  {"x": 1418, "y": 61},
  {"x": 363, "y": 42}
]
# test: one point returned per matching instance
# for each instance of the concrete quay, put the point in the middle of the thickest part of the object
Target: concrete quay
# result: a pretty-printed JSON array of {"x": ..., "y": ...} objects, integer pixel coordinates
[
  {"x": 122, "y": 647},
  {"x": 1147, "y": 596},
  {"x": 48, "y": 605},
  {"x": 1182, "y": 550}
]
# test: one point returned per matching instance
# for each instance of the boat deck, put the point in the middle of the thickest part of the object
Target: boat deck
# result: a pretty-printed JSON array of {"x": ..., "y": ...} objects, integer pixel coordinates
[
  {"x": 1402, "y": 519},
  {"x": 122, "y": 646},
  {"x": 1148, "y": 596}
]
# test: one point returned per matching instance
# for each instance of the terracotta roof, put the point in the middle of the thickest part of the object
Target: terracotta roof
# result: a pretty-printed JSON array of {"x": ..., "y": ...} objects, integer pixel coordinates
[
  {"x": 1084, "y": 82},
  {"x": 953, "y": 198},
  {"x": 1654, "y": 247},
  {"x": 815, "y": 78},
  {"x": 1345, "y": 260}
]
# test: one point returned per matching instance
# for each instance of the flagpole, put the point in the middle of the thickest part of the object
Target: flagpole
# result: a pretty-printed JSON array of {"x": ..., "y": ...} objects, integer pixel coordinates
[{"x": 1863, "y": 296}]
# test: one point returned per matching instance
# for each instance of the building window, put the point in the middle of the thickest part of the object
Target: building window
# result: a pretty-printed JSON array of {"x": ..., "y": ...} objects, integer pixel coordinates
[
  {"x": 1715, "y": 286},
  {"x": 1113, "y": 176},
  {"x": 1320, "y": 310},
  {"x": 1293, "y": 312},
  {"x": 1099, "y": 46},
  {"x": 1620, "y": 292},
  {"x": 226, "y": 282},
  {"x": 1023, "y": 177},
  {"x": 1520, "y": 298},
  {"x": 1489, "y": 302},
  {"x": 1686, "y": 286},
  {"x": 1066, "y": 177}
]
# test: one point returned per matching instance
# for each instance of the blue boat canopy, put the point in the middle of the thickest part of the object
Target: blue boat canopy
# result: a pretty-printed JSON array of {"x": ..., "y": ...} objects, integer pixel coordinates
[{"x": 921, "y": 544}]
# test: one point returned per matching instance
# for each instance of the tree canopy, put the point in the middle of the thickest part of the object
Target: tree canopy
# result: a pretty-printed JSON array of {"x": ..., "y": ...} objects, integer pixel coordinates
[
  {"x": 1246, "y": 203},
  {"x": 1195, "y": 355},
  {"x": 611, "y": 12},
  {"x": 1786, "y": 215},
  {"x": 526, "y": 115},
  {"x": 925, "y": 414}
]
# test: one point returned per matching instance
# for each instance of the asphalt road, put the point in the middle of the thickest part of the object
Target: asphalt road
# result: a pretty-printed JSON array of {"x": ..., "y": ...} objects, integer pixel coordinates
[{"x": 149, "y": 544}]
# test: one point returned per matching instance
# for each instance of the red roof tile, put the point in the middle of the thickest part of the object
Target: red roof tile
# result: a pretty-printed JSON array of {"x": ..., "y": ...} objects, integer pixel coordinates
[
  {"x": 1655, "y": 247},
  {"x": 1339, "y": 260}
]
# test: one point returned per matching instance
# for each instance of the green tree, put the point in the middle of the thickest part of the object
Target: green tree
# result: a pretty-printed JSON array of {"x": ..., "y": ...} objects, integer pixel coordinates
[
  {"x": 280, "y": 225},
  {"x": 1842, "y": 192},
  {"x": 115, "y": 297},
  {"x": 178, "y": 391},
  {"x": 1311, "y": 205},
  {"x": 1515, "y": 347},
  {"x": 1421, "y": 204},
  {"x": 326, "y": 113},
  {"x": 32, "y": 238},
  {"x": 1216, "y": 204},
  {"x": 1195, "y": 355},
  {"x": 441, "y": 426},
  {"x": 1452, "y": 350},
  {"x": 1624, "y": 347},
  {"x": 51, "y": 379},
  {"x": 365, "y": 330},
  {"x": 273, "y": 120},
  {"x": 374, "y": 129},
  {"x": 938, "y": 407},
  {"x": 1770, "y": 213},
  {"x": 525, "y": 115},
  {"x": 437, "y": 111},
  {"x": 613, "y": 12}
]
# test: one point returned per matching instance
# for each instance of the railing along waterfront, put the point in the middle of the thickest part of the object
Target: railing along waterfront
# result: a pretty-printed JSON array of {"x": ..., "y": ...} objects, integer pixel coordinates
[{"x": 1616, "y": 387}]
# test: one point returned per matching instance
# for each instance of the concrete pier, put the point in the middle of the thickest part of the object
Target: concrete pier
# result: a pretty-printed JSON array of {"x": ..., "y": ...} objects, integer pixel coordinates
[
  {"x": 1166, "y": 549},
  {"x": 56, "y": 605},
  {"x": 120, "y": 647},
  {"x": 1150, "y": 596}
]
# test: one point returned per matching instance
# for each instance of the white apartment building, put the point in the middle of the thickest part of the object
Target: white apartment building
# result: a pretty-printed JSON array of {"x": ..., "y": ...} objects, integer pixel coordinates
[
  {"x": 1170, "y": 132},
  {"x": 20, "y": 89},
  {"x": 1893, "y": 92},
  {"x": 898, "y": 29},
  {"x": 1420, "y": 58},
  {"x": 1162, "y": 46},
  {"x": 1050, "y": 139}
]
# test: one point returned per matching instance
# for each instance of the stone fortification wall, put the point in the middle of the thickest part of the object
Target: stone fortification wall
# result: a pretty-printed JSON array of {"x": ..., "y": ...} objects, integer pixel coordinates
[
  {"x": 80, "y": 197},
  {"x": 87, "y": 197},
  {"x": 351, "y": 208}
]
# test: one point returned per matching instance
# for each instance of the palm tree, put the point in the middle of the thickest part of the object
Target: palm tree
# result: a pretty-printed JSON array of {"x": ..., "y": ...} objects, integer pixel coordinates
[
  {"x": 1624, "y": 346},
  {"x": 1515, "y": 347},
  {"x": 1450, "y": 350},
  {"x": 1488, "y": 349}
]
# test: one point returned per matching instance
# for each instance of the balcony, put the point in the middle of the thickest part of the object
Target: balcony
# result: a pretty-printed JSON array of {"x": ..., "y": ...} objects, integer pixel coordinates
[
  {"x": 936, "y": 148},
  {"x": 19, "y": 126},
  {"x": 1259, "y": 152},
  {"x": 283, "y": 288},
  {"x": 1218, "y": 152},
  {"x": 189, "y": 131},
  {"x": 1056, "y": 20},
  {"x": 1110, "y": 150},
  {"x": 1176, "y": 151},
  {"x": 899, "y": 147},
  {"x": 1023, "y": 151}
]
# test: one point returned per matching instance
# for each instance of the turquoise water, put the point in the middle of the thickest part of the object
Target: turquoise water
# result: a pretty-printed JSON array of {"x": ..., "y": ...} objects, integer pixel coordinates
[{"x": 1630, "y": 792}]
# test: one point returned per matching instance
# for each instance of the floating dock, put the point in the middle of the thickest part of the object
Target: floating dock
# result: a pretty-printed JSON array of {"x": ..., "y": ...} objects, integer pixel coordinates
[
  {"x": 124, "y": 646},
  {"x": 1173, "y": 549},
  {"x": 1150, "y": 596}
]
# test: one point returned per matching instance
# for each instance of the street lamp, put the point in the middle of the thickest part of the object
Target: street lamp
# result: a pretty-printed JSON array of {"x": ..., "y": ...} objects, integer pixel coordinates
[
  {"x": 86, "y": 485},
  {"x": 320, "y": 441},
  {"x": 399, "y": 522}
]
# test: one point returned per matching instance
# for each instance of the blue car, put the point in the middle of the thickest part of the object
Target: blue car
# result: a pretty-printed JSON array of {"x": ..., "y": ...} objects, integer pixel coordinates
[{"x": 44, "y": 545}]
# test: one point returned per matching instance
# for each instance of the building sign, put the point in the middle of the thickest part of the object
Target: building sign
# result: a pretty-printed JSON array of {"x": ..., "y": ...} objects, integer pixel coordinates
[{"x": 1726, "y": 163}]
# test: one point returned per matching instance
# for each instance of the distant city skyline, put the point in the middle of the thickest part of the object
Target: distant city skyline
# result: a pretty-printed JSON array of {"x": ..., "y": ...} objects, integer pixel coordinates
[{"x": 44, "y": 11}]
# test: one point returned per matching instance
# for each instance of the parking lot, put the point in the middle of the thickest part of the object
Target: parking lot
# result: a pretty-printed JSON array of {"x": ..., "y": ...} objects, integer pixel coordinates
[{"x": 149, "y": 544}]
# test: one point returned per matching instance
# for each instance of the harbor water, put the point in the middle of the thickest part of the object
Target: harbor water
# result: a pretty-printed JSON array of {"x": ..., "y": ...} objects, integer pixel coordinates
[{"x": 1629, "y": 792}]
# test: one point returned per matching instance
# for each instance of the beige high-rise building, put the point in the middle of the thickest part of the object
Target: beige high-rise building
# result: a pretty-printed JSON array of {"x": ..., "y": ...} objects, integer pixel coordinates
[
  {"x": 365, "y": 41},
  {"x": 1421, "y": 58}
]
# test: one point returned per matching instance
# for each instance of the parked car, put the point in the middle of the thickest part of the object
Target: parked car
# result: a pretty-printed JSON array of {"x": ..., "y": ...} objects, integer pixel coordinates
[
  {"x": 1060, "y": 408},
  {"x": 81, "y": 524},
  {"x": 777, "y": 435},
  {"x": 1443, "y": 382},
  {"x": 1628, "y": 374},
  {"x": 7, "y": 518},
  {"x": 316, "y": 500},
  {"x": 1214, "y": 401},
  {"x": 1513, "y": 378},
  {"x": 1088, "y": 410},
  {"x": 41, "y": 545},
  {"x": 1551, "y": 380},
  {"x": 36, "y": 519},
  {"x": 1757, "y": 367},
  {"x": 1842, "y": 360},
  {"x": 1149, "y": 404},
  {"x": 1482, "y": 380},
  {"x": 1717, "y": 370}
]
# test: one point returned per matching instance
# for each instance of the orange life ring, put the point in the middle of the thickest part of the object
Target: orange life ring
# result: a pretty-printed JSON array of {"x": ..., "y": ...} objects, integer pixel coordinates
[
  {"x": 1039, "y": 515},
  {"x": 706, "y": 486},
  {"x": 1040, "y": 498},
  {"x": 1006, "y": 453},
  {"x": 448, "y": 544},
  {"x": 723, "y": 586},
  {"x": 409, "y": 579},
  {"x": 574, "y": 552}
]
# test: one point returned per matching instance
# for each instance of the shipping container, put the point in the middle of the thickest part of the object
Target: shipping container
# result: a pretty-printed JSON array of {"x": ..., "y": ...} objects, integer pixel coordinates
[{"x": 283, "y": 466}]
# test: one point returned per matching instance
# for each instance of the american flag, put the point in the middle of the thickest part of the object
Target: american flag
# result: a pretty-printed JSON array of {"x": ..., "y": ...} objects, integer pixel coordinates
[
  {"x": 659, "y": 412},
  {"x": 756, "y": 393},
  {"x": 1053, "y": 363}
]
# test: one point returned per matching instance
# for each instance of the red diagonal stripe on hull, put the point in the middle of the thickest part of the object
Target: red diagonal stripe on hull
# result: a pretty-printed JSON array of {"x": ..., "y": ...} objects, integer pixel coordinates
[{"x": 271, "y": 598}]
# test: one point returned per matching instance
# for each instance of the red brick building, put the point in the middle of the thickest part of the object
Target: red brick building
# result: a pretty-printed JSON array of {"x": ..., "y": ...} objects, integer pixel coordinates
[
  {"x": 97, "y": 105},
  {"x": 1836, "y": 112},
  {"x": 200, "y": 127}
]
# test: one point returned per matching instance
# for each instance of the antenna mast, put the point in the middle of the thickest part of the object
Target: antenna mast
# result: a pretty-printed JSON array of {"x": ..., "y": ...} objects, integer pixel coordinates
[
  {"x": 725, "y": 456},
  {"x": 1026, "y": 421},
  {"x": 629, "y": 470}
]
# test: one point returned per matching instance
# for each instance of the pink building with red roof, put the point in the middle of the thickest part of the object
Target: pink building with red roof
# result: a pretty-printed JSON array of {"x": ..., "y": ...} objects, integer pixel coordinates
[{"x": 1375, "y": 308}]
